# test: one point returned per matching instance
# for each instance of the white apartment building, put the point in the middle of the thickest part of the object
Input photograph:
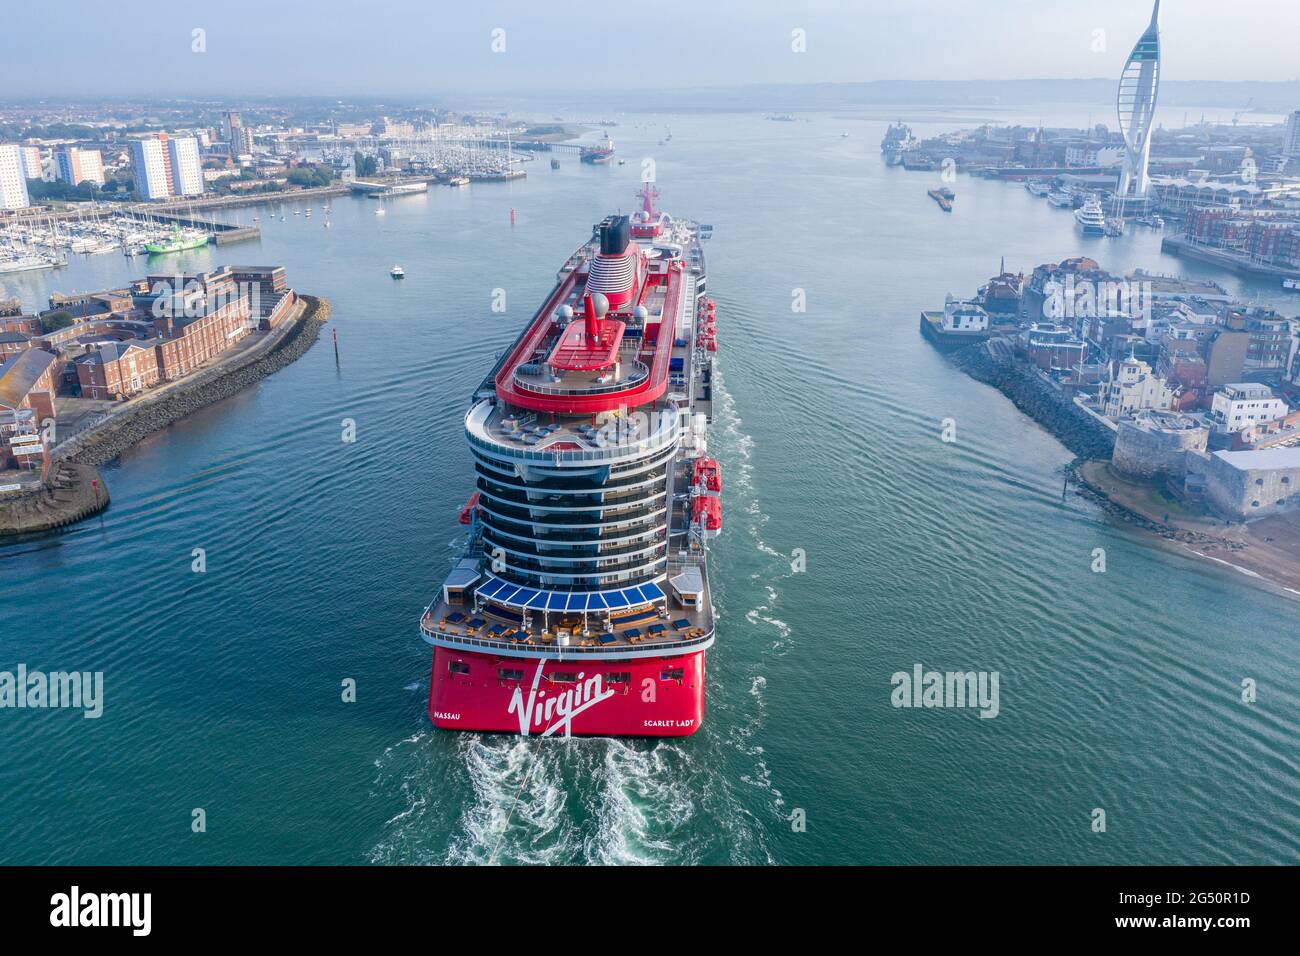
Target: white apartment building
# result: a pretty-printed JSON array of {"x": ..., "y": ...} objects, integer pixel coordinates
[
  {"x": 150, "y": 166},
  {"x": 186, "y": 166},
  {"x": 1092, "y": 155},
  {"x": 1291, "y": 145},
  {"x": 1131, "y": 388},
  {"x": 13, "y": 182},
  {"x": 33, "y": 168},
  {"x": 1243, "y": 405},
  {"x": 76, "y": 166}
]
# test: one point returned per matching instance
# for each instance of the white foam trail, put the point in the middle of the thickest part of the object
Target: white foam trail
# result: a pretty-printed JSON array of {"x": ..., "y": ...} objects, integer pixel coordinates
[
  {"x": 647, "y": 802},
  {"x": 517, "y": 814}
]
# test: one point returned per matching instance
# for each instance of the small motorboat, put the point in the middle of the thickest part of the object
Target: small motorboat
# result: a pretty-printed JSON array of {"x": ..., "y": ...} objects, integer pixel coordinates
[{"x": 397, "y": 272}]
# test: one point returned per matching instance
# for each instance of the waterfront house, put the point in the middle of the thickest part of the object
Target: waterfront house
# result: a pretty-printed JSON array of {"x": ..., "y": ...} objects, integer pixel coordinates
[
  {"x": 1242, "y": 405},
  {"x": 1131, "y": 386},
  {"x": 960, "y": 315}
]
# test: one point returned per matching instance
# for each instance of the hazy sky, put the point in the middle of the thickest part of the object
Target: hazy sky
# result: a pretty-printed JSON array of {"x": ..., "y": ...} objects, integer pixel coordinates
[{"x": 431, "y": 47}]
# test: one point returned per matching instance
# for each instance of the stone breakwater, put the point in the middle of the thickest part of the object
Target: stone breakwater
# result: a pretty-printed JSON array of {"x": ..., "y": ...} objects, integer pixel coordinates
[
  {"x": 993, "y": 364},
  {"x": 76, "y": 490}
]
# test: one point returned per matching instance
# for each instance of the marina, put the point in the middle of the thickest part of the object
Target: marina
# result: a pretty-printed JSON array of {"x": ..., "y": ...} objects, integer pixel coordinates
[{"x": 47, "y": 243}]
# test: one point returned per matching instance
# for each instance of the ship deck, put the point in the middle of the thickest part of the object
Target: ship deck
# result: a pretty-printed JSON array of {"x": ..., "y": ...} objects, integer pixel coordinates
[
  {"x": 639, "y": 633},
  {"x": 497, "y": 617}
]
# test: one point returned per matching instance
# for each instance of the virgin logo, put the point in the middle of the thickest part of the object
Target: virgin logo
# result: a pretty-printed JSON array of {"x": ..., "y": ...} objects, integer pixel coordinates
[{"x": 552, "y": 714}]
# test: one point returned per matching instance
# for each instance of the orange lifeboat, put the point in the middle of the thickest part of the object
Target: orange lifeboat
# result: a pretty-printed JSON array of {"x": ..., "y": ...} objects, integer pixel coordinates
[
  {"x": 467, "y": 513},
  {"x": 707, "y": 475},
  {"x": 706, "y": 516}
]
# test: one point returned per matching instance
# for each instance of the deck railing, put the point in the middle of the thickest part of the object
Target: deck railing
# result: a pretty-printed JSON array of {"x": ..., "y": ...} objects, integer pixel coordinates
[{"x": 651, "y": 648}]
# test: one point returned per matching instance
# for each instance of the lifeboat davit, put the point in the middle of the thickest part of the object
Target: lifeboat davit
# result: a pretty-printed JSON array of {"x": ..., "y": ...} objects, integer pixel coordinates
[
  {"x": 467, "y": 513},
  {"x": 707, "y": 475},
  {"x": 706, "y": 516}
]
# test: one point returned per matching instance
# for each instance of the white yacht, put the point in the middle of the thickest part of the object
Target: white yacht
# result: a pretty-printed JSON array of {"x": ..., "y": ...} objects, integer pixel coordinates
[{"x": 1091, "y": 218}]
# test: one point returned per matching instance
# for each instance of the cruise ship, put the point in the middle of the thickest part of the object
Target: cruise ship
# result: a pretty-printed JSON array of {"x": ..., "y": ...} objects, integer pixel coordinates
[
  {"x": 581, "y": 605},
  {"x": 1091, "y": 218}
]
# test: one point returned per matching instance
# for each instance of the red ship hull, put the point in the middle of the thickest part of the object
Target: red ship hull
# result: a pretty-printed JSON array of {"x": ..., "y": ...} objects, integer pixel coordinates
[{"x": 646, "y": 697}]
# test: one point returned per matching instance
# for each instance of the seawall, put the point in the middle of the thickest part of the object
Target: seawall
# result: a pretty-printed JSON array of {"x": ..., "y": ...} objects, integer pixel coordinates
[
  {"x": 1041, "y": 401},
  {"x": 76, "y": 490},
  {"x": 107, "y": 441}
]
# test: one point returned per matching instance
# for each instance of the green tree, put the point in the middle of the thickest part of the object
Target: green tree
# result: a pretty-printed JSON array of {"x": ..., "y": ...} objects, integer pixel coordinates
[
  {"x": 365, "y": 165},
  {"x": 53, "y": 321}
]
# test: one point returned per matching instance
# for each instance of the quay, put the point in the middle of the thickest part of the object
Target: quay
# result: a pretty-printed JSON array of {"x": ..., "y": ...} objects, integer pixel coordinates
[
  {"x": 1236, "y": 262},
  {"x": 223, "y": 233}
]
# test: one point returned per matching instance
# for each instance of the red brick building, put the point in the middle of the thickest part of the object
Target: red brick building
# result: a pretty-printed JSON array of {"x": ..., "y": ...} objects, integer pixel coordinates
[
  {"x": 118, "y": 371},
  {"x": 26, "y": 324},
  {"x": 26, "y": 383},
  {"x": 189, "y": 342},
  {"x": 11, "y": 343}
]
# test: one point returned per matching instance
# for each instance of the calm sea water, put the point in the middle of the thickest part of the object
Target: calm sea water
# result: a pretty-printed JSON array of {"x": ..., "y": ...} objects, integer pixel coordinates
[{"x": 1118, "y": 691}]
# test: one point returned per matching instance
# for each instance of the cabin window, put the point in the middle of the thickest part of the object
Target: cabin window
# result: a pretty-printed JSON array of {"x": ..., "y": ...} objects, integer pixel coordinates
[
  {"x": 675, "y": 673},
  {"x": 507, "y": 673},
  {"x": 564, "y": 678},
  {"x": 458, "y": 667},
  {"x": 619, "y": 678}
]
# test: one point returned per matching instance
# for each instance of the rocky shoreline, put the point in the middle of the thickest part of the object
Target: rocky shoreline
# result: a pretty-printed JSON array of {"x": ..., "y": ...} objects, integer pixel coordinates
[
  {"x": 1019, "y": 381},
  {"x": 1087, "y": 489},
  {"x": 1261, "y": 554},
  {"x": 75, "y": 489}
]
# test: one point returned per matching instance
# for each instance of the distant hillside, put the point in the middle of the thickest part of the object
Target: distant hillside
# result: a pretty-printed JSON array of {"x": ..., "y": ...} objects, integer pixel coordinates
[{"x": 1263, "y": 97}]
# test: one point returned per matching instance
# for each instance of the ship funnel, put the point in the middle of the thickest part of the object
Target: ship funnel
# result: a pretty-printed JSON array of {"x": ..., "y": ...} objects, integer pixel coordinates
[{"x": 615, "y": 235}]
